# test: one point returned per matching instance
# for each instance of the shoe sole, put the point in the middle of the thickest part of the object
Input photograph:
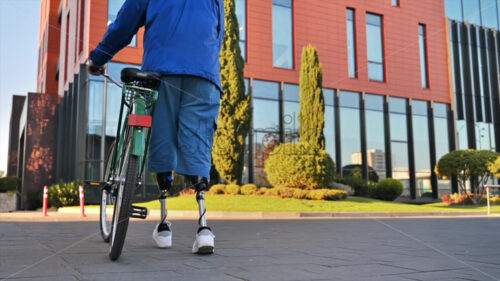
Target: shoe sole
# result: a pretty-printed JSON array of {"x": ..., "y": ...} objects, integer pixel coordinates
[{"x": 205, "y": 250}]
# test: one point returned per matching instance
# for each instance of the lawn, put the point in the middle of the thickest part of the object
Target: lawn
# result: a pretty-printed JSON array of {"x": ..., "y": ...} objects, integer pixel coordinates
[
  {"x": 271, "y": 204},
  {"x": 242, "y": 203}
]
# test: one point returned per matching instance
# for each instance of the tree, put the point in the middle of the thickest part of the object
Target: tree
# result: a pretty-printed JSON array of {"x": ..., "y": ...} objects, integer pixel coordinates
[
  {"x": 312, "y": 102},
  {"x": 468, "y": 165},
  {"x": 494, "y": 168},
  {"x": 235, "y": 111}
]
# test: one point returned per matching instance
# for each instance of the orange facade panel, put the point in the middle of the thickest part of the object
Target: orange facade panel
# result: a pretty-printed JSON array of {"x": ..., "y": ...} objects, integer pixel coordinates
[{"x": 322, "y": 24}]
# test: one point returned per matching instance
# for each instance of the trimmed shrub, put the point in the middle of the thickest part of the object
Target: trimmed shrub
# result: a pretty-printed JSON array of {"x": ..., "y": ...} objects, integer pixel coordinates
[
  {"x": 327, "y": 194},
  {"x": 262, "y": 191},
  {"x": 299, "y": 165},
  {"x": 360, "y": 186},
  {"x": 9, "y": 184},
  {"x": 232, "y": 189},
  {"x": 249, "y": 189},
  {"x": 282, "y": 192},
  {"x": 64, "y": 194},
  {"x": 218, "y": 189},
  {"x": 388, "y": 189},
  {"x": 300, "y": 193}
]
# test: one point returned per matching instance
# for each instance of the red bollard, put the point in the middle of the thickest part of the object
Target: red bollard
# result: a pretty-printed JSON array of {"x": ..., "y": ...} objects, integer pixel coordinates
[
  {"x": 45, "y": 199},
  {"x": 82, "y": 200}
]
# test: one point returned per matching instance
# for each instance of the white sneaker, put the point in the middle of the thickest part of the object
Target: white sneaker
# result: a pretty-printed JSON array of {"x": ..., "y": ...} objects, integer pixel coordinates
[
  {"x": 204, "y": 243},
  {"x": 163, "y": 235}
]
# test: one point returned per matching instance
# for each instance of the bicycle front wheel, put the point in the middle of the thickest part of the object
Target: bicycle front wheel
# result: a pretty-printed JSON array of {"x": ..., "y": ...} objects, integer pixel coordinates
[
  {"x": 108, "y": 198},
  {"x": 125, "y": 192}
]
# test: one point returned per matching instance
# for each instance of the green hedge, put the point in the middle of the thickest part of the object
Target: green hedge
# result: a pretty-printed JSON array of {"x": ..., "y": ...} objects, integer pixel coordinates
[
  {"x": 299, "y": 165},
  {"x": 388, "y": 189},
  {"x": 9, "y": 184}
]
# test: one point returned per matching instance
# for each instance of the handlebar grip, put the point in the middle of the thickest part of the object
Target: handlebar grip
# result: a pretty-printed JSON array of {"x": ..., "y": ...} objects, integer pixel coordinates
[{"x": 96, "y": 68}]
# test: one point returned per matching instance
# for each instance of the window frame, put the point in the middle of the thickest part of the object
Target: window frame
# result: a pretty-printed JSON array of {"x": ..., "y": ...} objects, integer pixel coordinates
[{"x": 292, "y": 7}]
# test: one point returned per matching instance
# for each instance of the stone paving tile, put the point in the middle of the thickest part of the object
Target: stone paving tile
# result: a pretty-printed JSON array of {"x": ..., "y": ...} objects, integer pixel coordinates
[{"x": 374, "y": 250}]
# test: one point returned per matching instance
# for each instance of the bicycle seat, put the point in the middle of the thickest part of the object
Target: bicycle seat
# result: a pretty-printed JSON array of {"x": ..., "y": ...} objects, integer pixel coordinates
[{"x": 146, "y": 79}]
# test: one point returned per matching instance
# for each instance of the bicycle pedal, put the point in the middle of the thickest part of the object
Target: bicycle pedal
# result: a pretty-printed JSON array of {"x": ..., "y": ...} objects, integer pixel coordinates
[{"x": 138, "y": 212}]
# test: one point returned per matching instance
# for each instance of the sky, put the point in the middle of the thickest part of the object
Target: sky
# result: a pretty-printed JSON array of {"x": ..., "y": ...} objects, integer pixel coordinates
[{"x": 19, "y": 28}]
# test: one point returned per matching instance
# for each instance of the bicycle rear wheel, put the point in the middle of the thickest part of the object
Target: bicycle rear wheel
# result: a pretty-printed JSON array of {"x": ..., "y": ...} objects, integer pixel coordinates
[
  {"x": 125, "y": 192},
  {"x": 108, "y": 198}
]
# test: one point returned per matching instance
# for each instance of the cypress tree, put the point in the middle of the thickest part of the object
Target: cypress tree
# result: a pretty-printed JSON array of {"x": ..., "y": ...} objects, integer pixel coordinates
[
  {"x": 235, "y": 111},
  {"x": 312, "y": 102}
]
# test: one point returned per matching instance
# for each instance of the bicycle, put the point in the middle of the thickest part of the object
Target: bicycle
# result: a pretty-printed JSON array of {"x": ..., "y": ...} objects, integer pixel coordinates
[{"x": 126, "y": 158}]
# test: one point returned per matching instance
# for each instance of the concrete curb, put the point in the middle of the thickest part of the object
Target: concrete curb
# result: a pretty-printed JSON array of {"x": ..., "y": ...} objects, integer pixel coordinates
[
  {"x": 73, "y": 215},
  {"x": 290, "y": 215}
]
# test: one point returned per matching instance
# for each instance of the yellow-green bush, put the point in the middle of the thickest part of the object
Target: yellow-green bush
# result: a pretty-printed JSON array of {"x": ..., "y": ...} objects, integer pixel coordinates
[
  {"x": 300, "y": 193},
  {"x": 64, "y": 194},
  {"x": 495, "y": 199},
  {"x": 249, "y": 189},
  {"x": 218, "y": 189},
  {"x": 299, "y": 165},
  {"x": 327, "y": 194},
  {"x": 232, "y": 189},
  {"x": 262, "y": 191}
]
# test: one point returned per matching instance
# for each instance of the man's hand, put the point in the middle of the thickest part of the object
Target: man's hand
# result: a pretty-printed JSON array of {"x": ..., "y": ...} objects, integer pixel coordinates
[{"x": 95, "y": 69}]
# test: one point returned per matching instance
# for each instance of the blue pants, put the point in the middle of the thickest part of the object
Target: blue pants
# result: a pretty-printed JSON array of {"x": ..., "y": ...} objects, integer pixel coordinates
[{"x": 184, "y": 124}]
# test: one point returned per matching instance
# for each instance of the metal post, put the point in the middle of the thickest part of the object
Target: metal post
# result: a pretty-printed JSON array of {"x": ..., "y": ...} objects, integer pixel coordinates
[{"x": 488, "y": 199}]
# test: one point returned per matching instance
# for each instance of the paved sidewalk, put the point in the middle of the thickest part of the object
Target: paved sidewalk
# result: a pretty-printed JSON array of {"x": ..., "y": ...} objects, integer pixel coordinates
[{"x": 362, "y": 249}]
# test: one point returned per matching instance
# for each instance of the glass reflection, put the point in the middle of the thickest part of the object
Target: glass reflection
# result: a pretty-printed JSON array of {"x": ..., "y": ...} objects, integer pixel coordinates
[
  {"x": 399, "y": 142},
  {"x": 350, "y": 128},
  {"x": 442, "y": 144},
  {"x": 282, "y": 34},
  {"x": 375, "y": 139},
  {"x": 422, "y": 150}
]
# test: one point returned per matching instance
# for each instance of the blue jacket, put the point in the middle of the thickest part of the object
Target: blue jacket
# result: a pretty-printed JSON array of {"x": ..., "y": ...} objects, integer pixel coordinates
[{"x": 181, "y": 37}]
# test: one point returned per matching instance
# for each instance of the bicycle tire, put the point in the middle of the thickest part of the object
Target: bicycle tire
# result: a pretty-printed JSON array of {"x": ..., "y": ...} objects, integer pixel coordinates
[
  {"x": 127, "y": 191},
  {"x": 107, "y": 196}
]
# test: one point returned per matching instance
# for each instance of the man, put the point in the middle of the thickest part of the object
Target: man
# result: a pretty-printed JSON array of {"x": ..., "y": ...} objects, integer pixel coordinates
[{"x": 182, "y": 42}]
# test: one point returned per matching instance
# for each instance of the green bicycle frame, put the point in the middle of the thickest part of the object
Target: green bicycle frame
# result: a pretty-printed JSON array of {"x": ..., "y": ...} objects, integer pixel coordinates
[{"x": 134, "y": 102}]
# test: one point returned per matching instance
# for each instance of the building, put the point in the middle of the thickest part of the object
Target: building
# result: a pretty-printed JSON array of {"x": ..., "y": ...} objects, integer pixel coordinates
[{"x": 400, "y": 82}]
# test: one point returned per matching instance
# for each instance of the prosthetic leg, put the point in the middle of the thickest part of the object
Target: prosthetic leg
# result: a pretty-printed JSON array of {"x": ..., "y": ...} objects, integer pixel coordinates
[
  {"x": 162, "y": 233},
  {"x": 204, "y": 243}
]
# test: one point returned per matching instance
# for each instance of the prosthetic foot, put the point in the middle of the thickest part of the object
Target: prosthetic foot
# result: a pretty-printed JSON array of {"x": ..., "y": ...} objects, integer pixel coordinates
[
  {"x": 162, "y": 233},
  {"x": 204, "y": 242}
]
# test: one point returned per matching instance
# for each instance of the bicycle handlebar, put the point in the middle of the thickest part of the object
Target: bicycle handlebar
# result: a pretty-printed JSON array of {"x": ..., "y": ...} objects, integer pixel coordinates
[{"x": 112, "y": 80}]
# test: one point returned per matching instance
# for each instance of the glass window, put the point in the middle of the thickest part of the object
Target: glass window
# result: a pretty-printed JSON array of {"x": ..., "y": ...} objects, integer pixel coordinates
[
  {"x": 351, "y": 43},
  {"x": 421, "y": 148},
  {"x": 329, "y": 131},
  {"x": 423, "y": 55},
  {"x": 375, "y": 47},
  {"x": 241, "y": 15},
  {"x": 282, "y": 33},
  {"x": 329, "y": 96},
  {"x": 399, "y": 142},
  {"x": 113, "y": 10},
  {"x": 375, "y": 139},
  {"x": 265, "y": 89},
  {"x": 291, "y": 92},
  {"x": 265, "y": 115},
  {"x": 442, "y": 143},
  {"x": 94, "y": 130},
  {"x": 349, "y": 99},
  {"x": 489, "y": 13},
  {"x": 462, "y": 141},
  {"x": 350, "y": 129},
  {"x": 454, "y": 9},
  {"x": 395, "y": 3},
  {"x": 472, "y": 11},
  {"x": 374, "y": 102},
  {"x": 397, "y": 105}
]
